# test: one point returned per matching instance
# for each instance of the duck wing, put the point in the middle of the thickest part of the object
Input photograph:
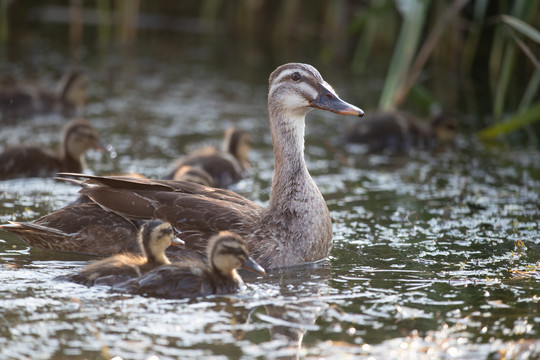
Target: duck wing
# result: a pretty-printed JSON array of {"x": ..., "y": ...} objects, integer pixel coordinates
[
  {"x": 173, "y": 281},
  {"x": 83, "y": 228},
  {"x": 195, "y": 211}
]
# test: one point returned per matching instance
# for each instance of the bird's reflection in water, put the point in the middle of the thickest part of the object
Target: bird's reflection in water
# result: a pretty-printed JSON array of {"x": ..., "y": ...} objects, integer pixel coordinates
[{"x": 294, "y": 308}]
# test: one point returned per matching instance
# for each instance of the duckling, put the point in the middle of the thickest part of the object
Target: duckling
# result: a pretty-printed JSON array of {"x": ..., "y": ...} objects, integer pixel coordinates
[
  {"x": 154, "y": 237},
  {"x": 31, "y": 161},
  {"x": 226, "y": 166},
  {"x": 398, "y": 131},
  {"x": 226, "y": 252},
  {"x": 20, "y": 101},
  {"x": 194, "y": 174}
]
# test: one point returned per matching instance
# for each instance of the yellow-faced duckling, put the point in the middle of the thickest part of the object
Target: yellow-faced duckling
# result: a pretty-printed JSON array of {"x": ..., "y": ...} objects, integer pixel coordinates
[
  {"x": 399, "y": 131},
  {"x": 226, "y": 253},
  {"x": 154, "y": 237},
  {"x": 23, "y": 100},
  {"x": 294, "y": 228},
  {"x": 31, "y": 161},
  {"x": 226, "y": 166}
]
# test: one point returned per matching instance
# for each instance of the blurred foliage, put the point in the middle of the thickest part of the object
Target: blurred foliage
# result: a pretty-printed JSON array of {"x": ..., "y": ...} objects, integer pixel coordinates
[{"x": 472, "y": 57}]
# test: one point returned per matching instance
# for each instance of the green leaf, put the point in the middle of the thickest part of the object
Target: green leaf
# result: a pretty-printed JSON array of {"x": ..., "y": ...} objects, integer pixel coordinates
[
  {"x": 515, "y": 122},
  {"x": 522, "y": 27}
]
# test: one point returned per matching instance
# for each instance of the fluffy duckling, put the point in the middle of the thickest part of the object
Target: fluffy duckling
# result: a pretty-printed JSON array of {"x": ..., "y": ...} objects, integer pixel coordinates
[
  {"x": 22, "y": 100},
  {"x": 226, "y": 253},
  {"x": 399, "y": 131},
  {"x": 194, "y": 174},
  {"x": 226, "y": 166},
  {"x": 31, "y": 161},
  {"x": 154, "y": 237}
]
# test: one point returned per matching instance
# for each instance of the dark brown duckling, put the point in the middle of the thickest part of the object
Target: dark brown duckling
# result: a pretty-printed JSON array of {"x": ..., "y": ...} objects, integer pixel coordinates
[
  {"x": 226, "y": 166},
  {"x": 226, "y": 253},
  {"x": 31, "y": 161},
  {"x": 399, "y": 131},
  {"x": 154, "y": 237},
  {"x": 23, "y": 100}
]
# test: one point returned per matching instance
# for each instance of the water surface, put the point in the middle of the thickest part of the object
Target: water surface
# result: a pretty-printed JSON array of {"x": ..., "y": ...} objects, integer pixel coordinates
[{"x": 436, "y": 255}]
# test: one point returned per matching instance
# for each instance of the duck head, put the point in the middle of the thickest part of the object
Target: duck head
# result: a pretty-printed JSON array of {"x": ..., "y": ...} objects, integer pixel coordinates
[{"x": 297, "y": 88}]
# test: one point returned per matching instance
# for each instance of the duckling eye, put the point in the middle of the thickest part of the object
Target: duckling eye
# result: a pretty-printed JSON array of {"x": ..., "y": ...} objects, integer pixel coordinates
[{"x": 296, "y": 76}]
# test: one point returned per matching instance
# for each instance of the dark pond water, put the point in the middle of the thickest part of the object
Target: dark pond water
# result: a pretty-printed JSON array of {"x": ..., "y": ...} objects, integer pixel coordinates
[{"x": 435, "y": 255}]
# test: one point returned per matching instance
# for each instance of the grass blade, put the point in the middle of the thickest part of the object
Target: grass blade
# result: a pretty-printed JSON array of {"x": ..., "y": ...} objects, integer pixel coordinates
[
  {"x": 522, "y": 27},
  {"x": 515, "y": 122}
]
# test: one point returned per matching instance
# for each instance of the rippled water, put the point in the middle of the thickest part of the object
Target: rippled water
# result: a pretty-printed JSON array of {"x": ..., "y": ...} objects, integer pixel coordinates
[{"x": 435, "y": 255}]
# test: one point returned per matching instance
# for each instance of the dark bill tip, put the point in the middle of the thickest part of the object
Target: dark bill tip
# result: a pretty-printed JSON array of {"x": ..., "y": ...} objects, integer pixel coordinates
[
  {"x": 329, "y": 101},
  {"x": 252, "y": 265}
]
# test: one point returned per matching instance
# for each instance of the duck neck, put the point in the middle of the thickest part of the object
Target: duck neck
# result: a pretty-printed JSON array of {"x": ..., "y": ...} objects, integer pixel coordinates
[
  {"x": 70, "y": 162},
  {"x": 161, "y": 259},
  {"x": 155, "y": 256},
  {"x": 291, "y": 177}
]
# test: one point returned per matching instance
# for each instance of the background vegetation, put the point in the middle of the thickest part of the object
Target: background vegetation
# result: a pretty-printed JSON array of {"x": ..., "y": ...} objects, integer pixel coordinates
[{"x": 479, "y": 58}]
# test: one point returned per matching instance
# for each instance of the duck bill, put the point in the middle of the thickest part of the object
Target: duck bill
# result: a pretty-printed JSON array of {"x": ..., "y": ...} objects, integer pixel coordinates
[
  {"x": 252, "y": 265},
  {"x": 177, "y": 241},
  {"x": 329, "y": 101},
  {"x": 105, "y": 148}
]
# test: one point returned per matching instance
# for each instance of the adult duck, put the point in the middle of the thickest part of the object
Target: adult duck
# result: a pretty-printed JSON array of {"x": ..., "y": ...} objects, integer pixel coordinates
[
  {"x": 23, "y": 100},
  {"x": 31, "y": 161},
  {"x": 154, "y": 237},
  {"x": 225, "y": 166},
  {"x": 294, "y": 228},
  {"x": 397, "y": 131},
  {"x": 226, "y": 253}
]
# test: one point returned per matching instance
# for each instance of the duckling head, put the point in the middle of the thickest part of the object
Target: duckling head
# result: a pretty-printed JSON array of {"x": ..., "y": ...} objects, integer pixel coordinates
[
  {"x": 297, "y": 88},
  {"x": 228, "y": 252},
  {"x": 79, "y": 137},
  {"x": 154, "y": 237},
  {"x": 445, "y": 128},
  {"x": 238, "y": 143}
]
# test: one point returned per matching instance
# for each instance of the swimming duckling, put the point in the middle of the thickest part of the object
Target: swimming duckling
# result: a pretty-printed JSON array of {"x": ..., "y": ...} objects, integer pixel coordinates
[
  {"x": 22, "y": 100},
  {"x": 154, "y": 237},
  {"x": 194, "y": 174},
  {"x": 31, "y": 161},
  {"x": 226, "y": 253},
  {"x": 226, "y": 166},
  {"x": 398, "y": 131}
]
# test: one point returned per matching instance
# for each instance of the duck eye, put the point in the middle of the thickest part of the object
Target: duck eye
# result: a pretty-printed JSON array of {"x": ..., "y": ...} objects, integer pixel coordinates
[{"x": 296, "y": 76}]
